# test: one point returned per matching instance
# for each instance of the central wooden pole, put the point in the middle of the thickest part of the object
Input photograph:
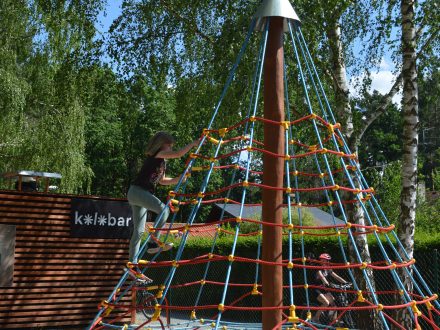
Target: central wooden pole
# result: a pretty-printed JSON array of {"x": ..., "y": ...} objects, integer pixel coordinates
[{"x": 273, "y": 173}]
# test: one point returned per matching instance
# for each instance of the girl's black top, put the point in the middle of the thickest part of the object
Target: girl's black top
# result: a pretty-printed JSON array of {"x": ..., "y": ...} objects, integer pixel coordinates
[{"x": 151, "y": 173}]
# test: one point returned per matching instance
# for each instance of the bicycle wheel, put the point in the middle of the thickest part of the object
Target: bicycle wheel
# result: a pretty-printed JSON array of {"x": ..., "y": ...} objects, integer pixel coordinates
[{"x": 146, "y": 302}]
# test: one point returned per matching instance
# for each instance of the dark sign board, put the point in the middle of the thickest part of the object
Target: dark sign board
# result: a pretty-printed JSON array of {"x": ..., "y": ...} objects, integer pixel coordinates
[{"x": 100, "y": 219}]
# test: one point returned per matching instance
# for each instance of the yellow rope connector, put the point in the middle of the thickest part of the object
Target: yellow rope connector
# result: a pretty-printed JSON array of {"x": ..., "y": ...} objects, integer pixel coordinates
[
  {"x": 285, "y": 124},
  {"x": 415, "y": 308},
  {"x": 290, "y": 226},
  {"x": 202, "y": 282},
  {"x": 255, "y": 290},
  {"x": 313, "y": 116},
  {"x": 193, "y": 315},
  {"x": 107, "y": 311},
  {"x": 175, "y": 202},
  {"x": 156, "y": 314},
  {"x": 175, "y": 264},
  {"x": 205, "y": 131},
  {"x": 292, "y": 317},
  {"x": 187, "y": 226},
  {"x": 196, "y": 168},
  {"x": 252, "y": 118},
  {"x": 313, "y": 147},
  {"x": 287, "y": 157},
  {"x": 364, "y": 265},
  {"x": 290, "y": 265},
  {"x": 222, "y": 132},
  {"x": 299, "y": 205},
  {"x": 236, "y": 166},
  {"x": 159, "y": 294},
  {"x": 175, "y": 210},
  {"x": 357, "y": 191},
  {"x": 288, "y": 190},
  {"x": 200, "y": 195},
  {"x": 304, "y": 260},
  {"x": 221, "y": 307},
  {"x": 338, "y": 233},
  {"x": 335, "y": 187},
  {"x": 219, "y": 229},
  {"x": 212, "y": 324},
  {"x": 331, "y": 128},
  {"x": 151, "y": 229},
  {"x": 330, "y": 203},
  {"x": 249, "y": 148},
  {"x": 292, "y": 141},
  {"x": 360, "y": 297},
  {"x": 295, "y": 173},
  {"x": 245, "y": 184},
  {"x": 226, "y": 200},
  {"x": 194, "y": 201},
  {"x": 103, "y": 303},
  {"x": 172, "y": 193},
  {"x": 323, "y": 151},
  {"x": 302, "y": 232},
  {"x": 429, "y": 305},
  {"x": 353, "y": 156},
  {"x": 210, "y": 255},
  {"x": 401, "y": 292},
  {"x": 321, "y": 175},
  {"x": 143, "y": 262},
  {"x": 348, "y": 225},
  {"x": 306, "y": 286},
  {"x": 202, "y": 321},
  {"x": 380, "y": 307},
  {"x": 125, "y": 327},
  {"x": 231, "y": 257},
  {"x": 238, "y": 220},
  {"x": 193, "y": 155},
  {"x": 212, "y": 140},
  {"x": 309, "y": 316}
]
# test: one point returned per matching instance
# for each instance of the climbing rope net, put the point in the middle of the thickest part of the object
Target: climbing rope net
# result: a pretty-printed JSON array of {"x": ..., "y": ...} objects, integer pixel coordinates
[{"x": 320, "y": 172}]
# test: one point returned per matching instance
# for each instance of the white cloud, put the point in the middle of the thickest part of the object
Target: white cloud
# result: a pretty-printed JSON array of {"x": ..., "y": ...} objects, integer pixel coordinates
[{"x": 380, "y": 81}]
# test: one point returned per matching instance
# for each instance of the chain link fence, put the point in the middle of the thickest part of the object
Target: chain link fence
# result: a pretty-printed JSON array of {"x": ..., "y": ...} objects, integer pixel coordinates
[{"x": 187, "y": 289}]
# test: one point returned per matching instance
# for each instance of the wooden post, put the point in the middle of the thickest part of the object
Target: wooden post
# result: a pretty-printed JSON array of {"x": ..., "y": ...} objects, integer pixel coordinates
[{"x": 273, "y": 174}]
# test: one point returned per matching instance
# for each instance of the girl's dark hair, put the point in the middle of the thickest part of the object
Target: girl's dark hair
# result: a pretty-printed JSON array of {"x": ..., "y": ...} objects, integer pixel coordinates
[{"x": 157, "y": 142}]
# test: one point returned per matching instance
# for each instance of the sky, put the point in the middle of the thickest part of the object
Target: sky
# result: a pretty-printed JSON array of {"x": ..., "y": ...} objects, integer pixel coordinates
[{"x": 382, "y": 80}]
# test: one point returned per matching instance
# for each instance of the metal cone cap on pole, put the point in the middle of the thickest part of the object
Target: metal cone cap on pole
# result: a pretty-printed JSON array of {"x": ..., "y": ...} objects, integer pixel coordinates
[{"x": 280, "y": 8}]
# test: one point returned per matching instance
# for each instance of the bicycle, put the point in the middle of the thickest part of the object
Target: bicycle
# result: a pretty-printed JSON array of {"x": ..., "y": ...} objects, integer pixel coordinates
[
  {"x": 142, "y": 299},
  {"x": 341, "y": 300},
  {"x": 327, "y": 318}
]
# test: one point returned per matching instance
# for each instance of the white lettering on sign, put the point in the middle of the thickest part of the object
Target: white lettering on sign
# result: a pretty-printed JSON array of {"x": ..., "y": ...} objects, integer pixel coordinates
[{"x": 101, "y": 220}]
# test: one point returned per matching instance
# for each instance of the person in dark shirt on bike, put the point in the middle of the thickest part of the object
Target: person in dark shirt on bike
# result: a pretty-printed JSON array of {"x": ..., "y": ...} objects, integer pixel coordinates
[{"x": 323, "y": 278}]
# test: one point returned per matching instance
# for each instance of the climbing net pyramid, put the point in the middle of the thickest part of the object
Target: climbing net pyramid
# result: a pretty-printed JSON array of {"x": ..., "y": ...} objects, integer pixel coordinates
[{"x": 222, "y": 289}]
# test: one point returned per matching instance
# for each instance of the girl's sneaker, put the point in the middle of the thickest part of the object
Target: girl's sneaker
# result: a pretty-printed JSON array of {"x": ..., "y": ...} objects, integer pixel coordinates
[{"x": 153, "y": 247}]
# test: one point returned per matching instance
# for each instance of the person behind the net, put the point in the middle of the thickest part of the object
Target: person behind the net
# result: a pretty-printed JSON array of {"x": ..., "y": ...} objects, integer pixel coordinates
[
  {"x": 141, "y": 192},
  {"x": 323, "y": 278}
]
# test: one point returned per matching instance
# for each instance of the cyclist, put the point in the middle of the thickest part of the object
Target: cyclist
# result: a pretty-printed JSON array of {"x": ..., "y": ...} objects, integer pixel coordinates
[{"x": 322, "y": 278}]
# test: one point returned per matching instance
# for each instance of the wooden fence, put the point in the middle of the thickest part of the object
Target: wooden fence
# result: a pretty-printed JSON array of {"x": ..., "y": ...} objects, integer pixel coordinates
[{"x": 58, "y": 280}]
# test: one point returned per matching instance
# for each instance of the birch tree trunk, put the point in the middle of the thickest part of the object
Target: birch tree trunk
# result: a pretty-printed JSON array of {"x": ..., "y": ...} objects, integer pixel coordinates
[
  {"x": 355, "y": 212},
  {"x": 406, "y": 226}
]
